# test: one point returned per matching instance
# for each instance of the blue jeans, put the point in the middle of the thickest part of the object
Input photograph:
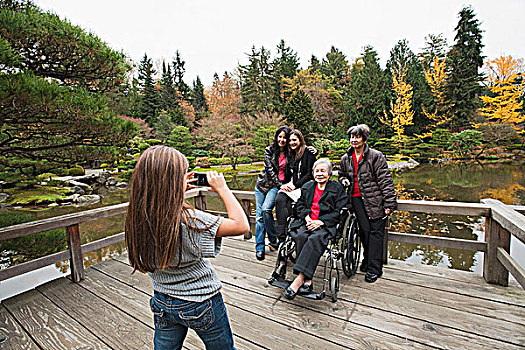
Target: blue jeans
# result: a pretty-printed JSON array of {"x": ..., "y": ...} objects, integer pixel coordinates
[
  {"x": 264, "y": 204},
  {"x": 174, "y": 316}
]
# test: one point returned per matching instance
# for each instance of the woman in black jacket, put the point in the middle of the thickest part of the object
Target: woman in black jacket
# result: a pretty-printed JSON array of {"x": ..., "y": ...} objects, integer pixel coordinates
[
  {"x": 275, "y": 173},
  {"x": 303, "y": 160},
  {"x": 318, "y": 211}
]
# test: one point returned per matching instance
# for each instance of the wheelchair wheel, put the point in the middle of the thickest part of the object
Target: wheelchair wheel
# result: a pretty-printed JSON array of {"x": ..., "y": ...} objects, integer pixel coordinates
[{"x": 351, "y": 247}]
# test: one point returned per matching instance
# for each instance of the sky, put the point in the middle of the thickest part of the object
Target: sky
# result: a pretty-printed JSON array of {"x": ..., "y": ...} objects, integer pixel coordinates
[{"x": 214, "y": 36}]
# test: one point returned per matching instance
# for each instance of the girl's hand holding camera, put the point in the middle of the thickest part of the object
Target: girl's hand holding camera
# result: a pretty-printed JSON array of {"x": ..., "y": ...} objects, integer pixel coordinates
[{"x": 216, "y": 181}]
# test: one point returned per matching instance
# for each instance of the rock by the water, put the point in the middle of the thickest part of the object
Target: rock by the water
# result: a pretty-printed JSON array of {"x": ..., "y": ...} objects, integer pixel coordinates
[
  {"x": 111, "y": 181},
  {"x": 87, "y": 199},
  {"x": 122, "y": 185}
]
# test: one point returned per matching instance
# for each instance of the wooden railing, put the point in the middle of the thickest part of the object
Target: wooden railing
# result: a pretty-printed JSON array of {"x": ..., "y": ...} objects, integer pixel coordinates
[{"x": 502, "y": 221}]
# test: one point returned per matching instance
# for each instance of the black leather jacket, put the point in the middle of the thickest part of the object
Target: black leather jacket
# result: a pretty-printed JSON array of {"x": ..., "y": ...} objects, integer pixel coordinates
[
  {"x": 269, "y": 176},
  {"x": 375, "y": 181}
]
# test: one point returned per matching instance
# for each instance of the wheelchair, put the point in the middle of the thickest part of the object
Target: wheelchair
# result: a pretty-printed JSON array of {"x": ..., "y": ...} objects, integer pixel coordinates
[{"x": 344, "y": 246}]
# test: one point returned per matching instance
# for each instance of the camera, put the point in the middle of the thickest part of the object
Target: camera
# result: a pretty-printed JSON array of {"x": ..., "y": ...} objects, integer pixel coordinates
[{"x": 202, "y": 180}]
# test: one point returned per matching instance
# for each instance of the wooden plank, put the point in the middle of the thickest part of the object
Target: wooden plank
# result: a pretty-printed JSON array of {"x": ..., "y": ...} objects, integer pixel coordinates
[
  {"x": 446, "y": 242},
  {"x": 507, "y": 217},
  {"x": 33, "y": 265},
  {"x": 111, "y": 325},
  {"x": 512, "y": 266},
  {"x": 112, "y": 280},
  {"x": 12, "y": 336},
  {"x": 450, "y": 208},
  {"x": 50, "y": 327}
]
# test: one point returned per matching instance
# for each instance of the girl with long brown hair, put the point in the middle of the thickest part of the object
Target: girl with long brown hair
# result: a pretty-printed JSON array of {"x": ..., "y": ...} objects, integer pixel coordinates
[{"x": 171, "y": 241}]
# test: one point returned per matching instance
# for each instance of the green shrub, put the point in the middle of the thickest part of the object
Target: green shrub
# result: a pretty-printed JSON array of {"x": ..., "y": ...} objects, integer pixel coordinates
[
  {"x": 199, "y": 153},
  {"x": 45, "y": 176},
  {"x": 126, "y": 176},
  {"x": 76, "y": 171}
]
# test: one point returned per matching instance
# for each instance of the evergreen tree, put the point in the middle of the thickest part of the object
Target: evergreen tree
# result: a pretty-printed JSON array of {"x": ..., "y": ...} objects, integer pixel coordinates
[
  {"x": 315, "y": 65},
  {"x": 178, "y": 75},
  {"x": 53, "y": 113},
  {"x": 435, "y": 47},
  {"x": 259, "y": 84},
  {"x": 164, "y": 125},
  {"x": 180, "y": 139},
  {"x": 168, "y": 93},
  {"x": 367, "y": 95},
  {"x": 198, "y": 100},
  {"x": 150, "y": 103},
  {"x": 285, "y": 66},
  {"x": 402, "y": 58},
  {"x": 336, "y": 68},
  {"x": 298, "y": 112},
  {"x": 464, "y": 61}
]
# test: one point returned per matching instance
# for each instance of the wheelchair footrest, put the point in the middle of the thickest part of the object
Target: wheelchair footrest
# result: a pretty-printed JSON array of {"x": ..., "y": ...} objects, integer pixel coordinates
[{"x": 277, "y": 281}]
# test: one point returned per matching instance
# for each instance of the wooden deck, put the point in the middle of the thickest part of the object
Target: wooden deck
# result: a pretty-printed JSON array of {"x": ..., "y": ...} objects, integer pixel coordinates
[{"x": 411, "y": 306}]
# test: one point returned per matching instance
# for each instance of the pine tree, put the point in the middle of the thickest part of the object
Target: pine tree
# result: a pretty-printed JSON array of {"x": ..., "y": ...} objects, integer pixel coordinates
[
  {"x": 367, "y": 94},
  {"x": 435, "y": 47},
  {"x": 315, "y": 65},
  {"x": 259, "y": 84},
  {"x": 298, "y": 112},
  {"x": 178, "y": 75},
  {"x": 336, "y": 67},
  {"x": 198, "y": 100},
  {"x": 150, "y": 103},
  {"x": 168, "y": 93},
  {"x": 402, "y": 58},
  {"x": 285, "y": 66},
  {"x": 464, "y": 61}
]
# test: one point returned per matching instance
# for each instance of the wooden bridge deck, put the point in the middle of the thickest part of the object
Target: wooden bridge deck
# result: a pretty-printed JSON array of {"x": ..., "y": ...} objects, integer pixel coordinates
[{"x": 411, "y": 306}]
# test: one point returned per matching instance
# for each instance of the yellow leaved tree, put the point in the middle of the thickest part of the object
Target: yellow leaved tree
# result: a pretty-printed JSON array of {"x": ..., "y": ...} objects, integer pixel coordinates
[
  {"x": 401, "y": 111},
  {"x": 505, "y": 79},
  {"x": 436, "y": 77}
]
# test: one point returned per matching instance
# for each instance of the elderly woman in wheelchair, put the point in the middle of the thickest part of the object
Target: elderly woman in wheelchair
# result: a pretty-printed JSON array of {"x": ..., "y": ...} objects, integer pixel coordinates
[{"x": 318, "y": 215}]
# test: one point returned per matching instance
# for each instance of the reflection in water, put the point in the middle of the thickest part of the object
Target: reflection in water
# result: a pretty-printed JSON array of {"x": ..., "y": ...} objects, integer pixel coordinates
[{"x": 445, "y": 182}]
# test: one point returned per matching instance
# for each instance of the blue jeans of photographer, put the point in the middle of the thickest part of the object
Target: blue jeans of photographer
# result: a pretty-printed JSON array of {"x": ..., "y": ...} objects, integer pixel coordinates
[
  {"x": 174, "y": 316},
  {"x": 264, "y": 222}
]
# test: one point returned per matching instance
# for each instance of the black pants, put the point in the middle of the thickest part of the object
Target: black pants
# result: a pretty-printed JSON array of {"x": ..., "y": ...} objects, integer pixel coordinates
[
  {"x": 283, "y": 209},
  {"x": 372, "y": 232},
  {"x": 309, "y": 247}
]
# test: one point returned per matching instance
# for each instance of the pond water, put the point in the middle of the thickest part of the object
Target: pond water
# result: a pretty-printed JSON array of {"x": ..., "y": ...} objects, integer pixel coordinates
[{"x": 443, "y": 182}]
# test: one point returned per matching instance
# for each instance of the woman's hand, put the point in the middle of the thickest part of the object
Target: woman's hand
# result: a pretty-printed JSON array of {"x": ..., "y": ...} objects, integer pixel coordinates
[
  {"x": 216, "y": 181},
  {"x": 287, "y": 187},
  {"x": 189, "y": 180},
  {"x": 312, "y": 149},
  {"x": 313, "y": 225}
]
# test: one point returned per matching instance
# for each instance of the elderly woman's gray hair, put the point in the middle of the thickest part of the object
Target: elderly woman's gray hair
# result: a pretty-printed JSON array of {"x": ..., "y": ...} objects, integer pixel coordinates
[
  {"x": 359, "y": 130},
  {"x": 324, "y": 161}
]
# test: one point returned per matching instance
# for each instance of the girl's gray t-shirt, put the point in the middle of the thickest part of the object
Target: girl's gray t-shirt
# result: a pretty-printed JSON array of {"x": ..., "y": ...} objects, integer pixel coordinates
[{"x": 195, "y": 278}]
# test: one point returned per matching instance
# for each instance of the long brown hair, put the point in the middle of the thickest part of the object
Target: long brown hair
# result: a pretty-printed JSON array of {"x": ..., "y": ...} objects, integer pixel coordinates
[
  {"x": 299, "y": 151},
  {"x": 157, "y": 209}
]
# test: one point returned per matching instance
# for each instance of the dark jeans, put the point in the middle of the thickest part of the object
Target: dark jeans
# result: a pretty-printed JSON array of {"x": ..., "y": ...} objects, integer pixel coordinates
[
  {"x": 309, "y": 247},
  {"x": 283, "y": 210},
  {"x": 372, "y": 232},
  {"x": 174, "y": 316}
]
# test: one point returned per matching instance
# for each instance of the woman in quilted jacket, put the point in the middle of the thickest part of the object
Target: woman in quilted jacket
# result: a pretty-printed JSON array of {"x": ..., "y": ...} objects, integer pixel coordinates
[{"x": 364, "y": 171}]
